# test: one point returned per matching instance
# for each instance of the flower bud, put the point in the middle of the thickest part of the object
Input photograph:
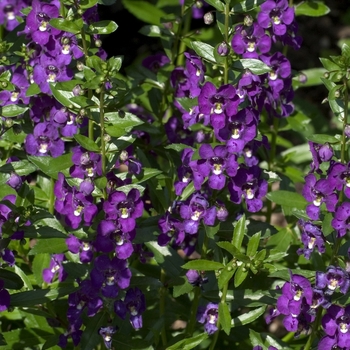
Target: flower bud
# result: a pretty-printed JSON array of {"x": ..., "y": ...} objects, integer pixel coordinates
[
  {"x": 223, "y": 49},
  {"x": 337, "y": 93},
  {"x": 8, "y": 123},
  {"x": 4, "y": 84},
  {"x": 208, "y": 18},
  {"x": 248, "y": 21},
  {"x": 80, "y": 66},
  {"x": 77, "y": 90},
  {"x": 347, "y": 130},
  {"x": 98, "y": 43},
  {"x": 302, "y": 78},
  {"x": 326, "y": 75},
  {"x": 106, "y": 137}
]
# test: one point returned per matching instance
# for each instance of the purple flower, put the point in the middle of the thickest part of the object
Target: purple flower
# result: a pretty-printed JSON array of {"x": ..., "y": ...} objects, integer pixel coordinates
[
  {"x": 311, "y": 236},
  {"x": 155, "y": 62},
  {"x": 247, "y": 184},
  {"x": 185, "y": 173},
  {"x": 195, "y": 209},
  {"x": 218, "y": 103},
  {"x": 195, "y": 278},
  {"x": 86, "y": 163},
  {"x": 341, "y": 221},
  {"x": 213, "y": 164},
  {"x": 334, "y": 278},
  {"x": 5, "y": 211},
  {"x": 110, "y": 237},
  {"x": 239, "y": 130},
  {"x": 208, "y": 316},
  {"x": 276, "y": 14},
  {"x": 338, "y": 176},
  {"x": 171, "y": 230},
  {"x": 84, "y": 248},
  {"x": 320, "y": 153},
  {"x": 55, "y": 268},
  {"x": 250, "y": 41},
  {"x": 9, "y": 9},
  {"x": 38, "y": 21},
  {"x": 125, "y": 208},
  {"x": 106, "y": 334},
  {"x": 4, "y": 297},
  {"x": 125, "y": 157},
  {"x": 110, "y": 275},
  {"x": 51, "y": 70},
  {"x": 318, "y": 192},
  {"x": 45, "y": 139},
  {"x": 134, "y": 303}
]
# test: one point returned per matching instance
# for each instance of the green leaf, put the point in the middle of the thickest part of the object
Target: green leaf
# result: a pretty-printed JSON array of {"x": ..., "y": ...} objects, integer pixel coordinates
[
  {"x": 284, "y": 274},
  {"x": 253, "y": 244},
  {"x": 327, "y": 227},
  {"x": 211, "y": 231},
  {"x": 250, "y": 298},
  {"x": 167, "y": 259},
  {"x": 329, "y": 65},
  {"x": 203, "y": 50},
  {"x": 117, "y": 126},
  {"x": 49, "y": 245},
  {"x": 322, "y": 139},
  {"x": 313, "y": 77},
  {"x": 311, "y": 9},
  {"x": 254, "y": 65},
  {"x": 189, "y": 189},
  {"x": 337, "y": 106},
  {"x": 144, "y": 11},
  {"x": 86, "y": 143},
  {"x": 102, "y": 27},
  {"x": 178, "y": 147},
  {"x": 240, "y": 275},
  {"x": 67, "y": 26},
  {"x": 63, "y": 96},
  {"x": 21, "y": 168},
  {"x": 151, "y": 31},
  {"x": 235, "y": 252},
  {"x": 39, "y": 261},
  {"x": 85, "y": 4},
  {"x": 51, "y": 166},
  {"x": 248, "y": 317},
  {"x": 189, "y": 343},
  {"x": 225, "y": 276},
  {"x": 217, "y": 4},
  {"x": 107, "y": 2},
  {"x": 238, "y": 232},
  {"x": 24, "y": 277},
  {"x": 13, "y": 110},
  {"x": 225, "y": 318},
  {"x": 11, "y": 279},
  {"x": 33, "y": 90},
  {"x": 181, "y": 289},
  {"x": 202, "y": 264},
  {"x": 90, "y": 337},
  {"x": 255, "y": 338},
  {"x": 246, "y": 6},
  {"x": 39, "y": 296},
  {"x": 287, "y": 198}
]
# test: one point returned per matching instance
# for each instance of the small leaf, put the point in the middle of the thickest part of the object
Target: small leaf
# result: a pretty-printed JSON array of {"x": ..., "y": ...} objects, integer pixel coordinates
[
  {"x": 322, "y": 139},
  {"x": 240, "y": 275},
  {"x": 184, "y": 288},
  {"x": 102, "y": 27},
  {"x": 86, "y": 143},
  {"x": 248, "y": 317},
  {"x": 225, "y": 276},
  {"x": 49, "y": 245},
  {"x": 33, "y": 90},
  {"x": 253, "y": 244},
  {"x": 238, "y": 232},
  {"x": 144, "y": 11},
  {"x": 254, "y": 65},
  {"x": 13, "y": 110},
  {"x": 225, "y": 318},
  {"x": 287, "y": 198},
  {"x": 203, "y": 50},
  {"x": 202, "y": 264},
  {"x": 311, "y": 8},
  {"x": 189, "y": 343},
  {"x": 178, "y": 147},
  {"x": 67, "y": 26},
  {"x": 217, "y": 4},
  {"x": 246, "y": 6},
  {"x": 11, "y": 279},
  {"x": 85, "y": 4},
  {"x": 233, "y": 250}
]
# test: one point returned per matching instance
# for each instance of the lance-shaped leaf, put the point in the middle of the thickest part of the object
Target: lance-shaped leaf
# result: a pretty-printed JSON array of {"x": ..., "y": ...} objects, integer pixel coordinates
[
  {"x": 87, "y": 143},
  {"x": 246, "y": 6},
  {"x": 90, "y": 337},
  {"x": 145, "y": 11},
  {"x": 238, "y": 232},
  {"x": 189, "y": 343},
  {"x": 13, "y": 110},
  {"x": 11, "y": 279},
  {"x": 248, "y": 317},
  {"x": 254, "y": 65},
  {"x": 311, "y": 8},
  {"x": 102, "y": 27},
  {"x": 225, "y": 317},
  {"x": 203, "y": 50},
  {"x": 67, "y": 26},
  {"x": 287, "y": 198},
  {"x": 202, "y": 264},
  {"x": 253, "y": 244}
]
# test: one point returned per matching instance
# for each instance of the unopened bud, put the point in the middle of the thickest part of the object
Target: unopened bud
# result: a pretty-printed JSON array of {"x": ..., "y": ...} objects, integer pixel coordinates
[
  {"x": 223, "y": 49},
  {"x": 8, "y": 123},
  {"x": 77, "y": 90},
  {"x": 326, "y": 75},
  {"x": 82, "y": 112},
  {"x": 208, "y": 18},
  {"x": 4, "y": 84},
  {"x": 106, "y": 137},
  {"x": 248, "y": 21},
  {"x": 347, "y": 130},
  {"x": 98, "y": 43},
  {"x": 80, "y": 66},
  {"x": 80, "y": 11},
  {"x": 337, "y": 93},
  {"x": 198, "y": 4},
  {"x": 302, "y": 78}
]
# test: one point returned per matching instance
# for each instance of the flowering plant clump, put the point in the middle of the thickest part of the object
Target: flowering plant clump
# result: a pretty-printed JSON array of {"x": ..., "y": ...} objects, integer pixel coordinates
[{"x": 183, "y": 198}]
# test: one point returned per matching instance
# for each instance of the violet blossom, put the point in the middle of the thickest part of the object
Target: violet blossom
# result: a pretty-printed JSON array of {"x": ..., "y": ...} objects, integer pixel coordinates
[
  {"x": 208, "y": 316},
  {"x": 55, "y": 268}
]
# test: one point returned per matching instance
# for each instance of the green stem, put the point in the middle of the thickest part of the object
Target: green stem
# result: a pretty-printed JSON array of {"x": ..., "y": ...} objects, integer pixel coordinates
[
  {"x": 52, "y": 197},
  {"x": 314, "y": 329},
  {"x": 227, "y": 17},
  {"x": 194, "y": 307},
  {"x": 162, "y": 307},
  {"x": 186, "y": 27}
]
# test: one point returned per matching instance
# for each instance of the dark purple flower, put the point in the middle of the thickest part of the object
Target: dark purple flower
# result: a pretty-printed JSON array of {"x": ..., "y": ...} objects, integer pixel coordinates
[
  {"x": 37, "y": 24},
  {"x": 125, "y": 208},
  {"x": 110, "y": 275},
  {"x": 84, "y": 248},
  {"x": 110, "y": 238},
  {"x": 7, "y": 256},
  {"x": 45, "y": 139},
  {"x": 208, "y": 316},
  {"x": 341, "y": 221},
  {"x": 9, "y": 9},
  {"x": 334, "y": 278},
  {"x": 185, "y": 173},
  {"x": 125, "y": 157},
  {"x": 320, "y": 153},
  {"x": 86, "y": 163},
  {"x": 55, "y": 268},
  {"x": 318, "y": 192},
  {"x": 5, "y": 211},
  {"x": 276, "y": 14},
  {"x": 338, "y": 176},
  {"x": 250, "y": 41},
  {"x": 106, "y": 334},
  {"x": 213, "y": 164},
  {"x": 135, "y": 304},
  {"x": 196, "y": 278},
  {"x": 239, "y": 130},
  {"x": 195, "y": 209},
  {"x": 51, "y": 70},
  {"x": 249, "y": 85},
  {"x": 219, "y": 103},
  {"x": 172, "y": 230},
  {"x": 4, "y": 297},
  {"x": 248, "y": 185},
  {"x": 65, "y": 120},
  {"x": 311, "y": 236},
  {"x": 155, "y": 62}
]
